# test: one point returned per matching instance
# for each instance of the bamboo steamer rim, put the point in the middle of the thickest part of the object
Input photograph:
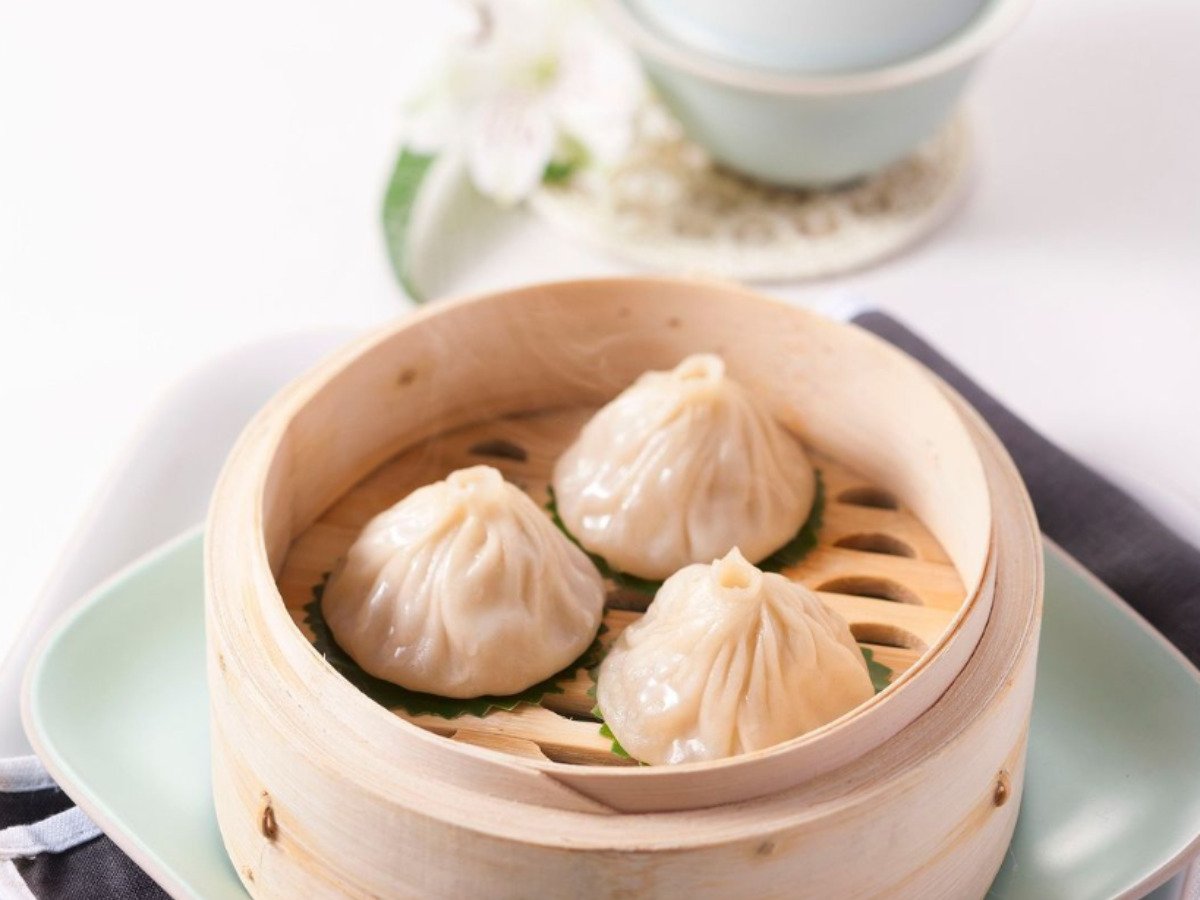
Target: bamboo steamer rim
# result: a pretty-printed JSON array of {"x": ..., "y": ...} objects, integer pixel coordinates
[
  {"x": 236, "y": 532},
  {"x": 933, "y": 809}
]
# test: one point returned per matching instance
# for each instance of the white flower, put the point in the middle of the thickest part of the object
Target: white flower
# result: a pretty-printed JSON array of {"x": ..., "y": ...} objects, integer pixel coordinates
[{"x": 536, "y": 82}]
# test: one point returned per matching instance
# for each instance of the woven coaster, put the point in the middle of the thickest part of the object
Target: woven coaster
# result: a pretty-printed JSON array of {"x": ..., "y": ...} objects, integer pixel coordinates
[{"x": 668, "y": 207}]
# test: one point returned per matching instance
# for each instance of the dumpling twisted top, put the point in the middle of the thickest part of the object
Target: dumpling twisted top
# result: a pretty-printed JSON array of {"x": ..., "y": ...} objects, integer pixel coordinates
[{"x": 679, "y": 468}]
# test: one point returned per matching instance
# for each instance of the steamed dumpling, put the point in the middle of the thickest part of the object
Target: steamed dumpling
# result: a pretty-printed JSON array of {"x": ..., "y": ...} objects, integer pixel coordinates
[
  {"x": 679, "y": 468},
  {"x": 464, "y": 588},
  {"x": 727, "y": 660}
]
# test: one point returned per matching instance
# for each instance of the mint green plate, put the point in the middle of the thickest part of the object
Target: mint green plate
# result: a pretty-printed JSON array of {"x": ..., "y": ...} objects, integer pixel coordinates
[{"x": 117, "y": 708}]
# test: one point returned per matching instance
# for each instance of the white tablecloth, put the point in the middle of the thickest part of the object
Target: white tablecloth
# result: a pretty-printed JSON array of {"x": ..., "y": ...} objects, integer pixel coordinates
[{"x": 176, "y": 179}]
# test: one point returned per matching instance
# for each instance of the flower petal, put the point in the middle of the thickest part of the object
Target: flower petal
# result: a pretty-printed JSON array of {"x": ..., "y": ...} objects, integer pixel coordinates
[
  {"x": 510, "y": 140},
  {"x": 599, "y": 89},
  {"x": 430, "y": 123}
]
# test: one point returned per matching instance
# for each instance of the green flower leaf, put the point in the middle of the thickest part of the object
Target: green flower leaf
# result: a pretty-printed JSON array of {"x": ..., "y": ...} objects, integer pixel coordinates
[
  {"x": 559, "y": 172},
  {"x": 788, "y": 555},
  {"x": 398, "y": 203},
  {"x": 393, "y": 696},
  {"x": 881, "y": 675},
  {"x": 570, "y": 158}
]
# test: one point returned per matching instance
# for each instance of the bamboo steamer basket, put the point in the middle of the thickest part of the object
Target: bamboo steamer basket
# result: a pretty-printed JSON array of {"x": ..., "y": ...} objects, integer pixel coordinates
[{"x": 929, "y": 548}]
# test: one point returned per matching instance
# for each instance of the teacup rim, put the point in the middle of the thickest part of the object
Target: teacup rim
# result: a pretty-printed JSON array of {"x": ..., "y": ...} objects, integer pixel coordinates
[{"x": 994, "y": 21}]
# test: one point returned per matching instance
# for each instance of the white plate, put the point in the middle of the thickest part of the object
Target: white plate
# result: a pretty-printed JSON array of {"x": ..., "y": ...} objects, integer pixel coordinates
[{"x": 161, "y": 486}]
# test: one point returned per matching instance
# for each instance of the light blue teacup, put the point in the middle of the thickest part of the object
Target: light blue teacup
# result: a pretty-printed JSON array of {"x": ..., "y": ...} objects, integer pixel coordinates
[
  {"x": 812, "y": 130},
  {"x": 808, "y": 36}
]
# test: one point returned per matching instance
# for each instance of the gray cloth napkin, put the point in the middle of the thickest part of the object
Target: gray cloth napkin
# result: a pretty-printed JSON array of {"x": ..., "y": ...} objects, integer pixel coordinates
[
  {"x": 1112, "y": 534},
  {"x": 50, "y": 849},
  {"x": 1155, "y": 570}
]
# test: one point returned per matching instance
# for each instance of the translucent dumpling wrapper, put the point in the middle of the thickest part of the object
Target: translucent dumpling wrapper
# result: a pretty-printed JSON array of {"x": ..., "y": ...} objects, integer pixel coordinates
[
  {"x": 464, "y": 588},
  {"x": 679, "y": 468},
  {"x": 727, "y": 660}
]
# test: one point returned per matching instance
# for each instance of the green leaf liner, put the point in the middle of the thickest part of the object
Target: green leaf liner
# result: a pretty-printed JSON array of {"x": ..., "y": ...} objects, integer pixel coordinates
[
  {"x": 787, "y": 555},
  {"x": 415, "y": 703},
  {"x": 645, "y": 585},
  {"x": 407, "y": 177},
  {"x": 605, "y": 731},
  {"x": 880, "y": 674},
  {"x": 806, "y": 538},
  {"x": 617, "y": 749}
]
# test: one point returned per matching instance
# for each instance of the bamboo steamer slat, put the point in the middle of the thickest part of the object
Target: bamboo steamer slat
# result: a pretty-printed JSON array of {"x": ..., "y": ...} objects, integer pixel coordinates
[{"x": 320, "y": 792}]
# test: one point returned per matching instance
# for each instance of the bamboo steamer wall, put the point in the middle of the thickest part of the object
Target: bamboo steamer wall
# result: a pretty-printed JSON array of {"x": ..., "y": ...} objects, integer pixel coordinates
[{"x": 321, "y": 792}]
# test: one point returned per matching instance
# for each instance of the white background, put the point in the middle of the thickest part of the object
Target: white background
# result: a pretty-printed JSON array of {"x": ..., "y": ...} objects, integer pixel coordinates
[{"x": 179, "y": 178}]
